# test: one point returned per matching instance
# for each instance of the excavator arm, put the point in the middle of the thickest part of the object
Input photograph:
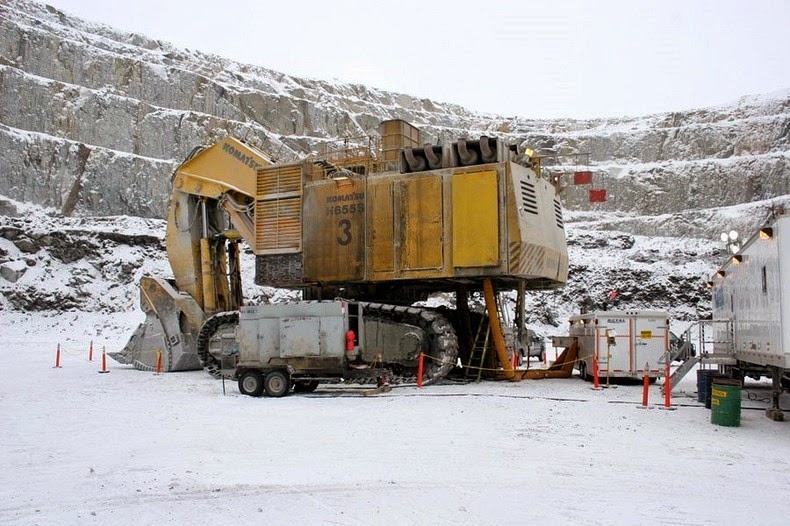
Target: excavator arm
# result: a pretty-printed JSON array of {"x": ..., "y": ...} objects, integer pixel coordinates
[{"x": 210, "y": 212}]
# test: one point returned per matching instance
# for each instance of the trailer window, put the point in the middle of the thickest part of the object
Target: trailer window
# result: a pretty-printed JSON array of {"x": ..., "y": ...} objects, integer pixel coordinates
[{"x": 765, "y": 282}]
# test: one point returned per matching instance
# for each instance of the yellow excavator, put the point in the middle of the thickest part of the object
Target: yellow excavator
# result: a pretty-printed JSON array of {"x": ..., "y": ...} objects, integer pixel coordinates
[{"x": 382, "y": 223}]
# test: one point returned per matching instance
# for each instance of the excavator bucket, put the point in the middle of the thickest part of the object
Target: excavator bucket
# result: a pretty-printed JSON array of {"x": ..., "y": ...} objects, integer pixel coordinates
[
  {"x": 142, "y": 349},
  {"x": 172, "y": 322}
]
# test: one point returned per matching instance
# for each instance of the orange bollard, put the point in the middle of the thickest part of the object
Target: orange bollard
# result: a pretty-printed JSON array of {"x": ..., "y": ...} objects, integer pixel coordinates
[
  {"x": 159, "y": 361},
  {"x": 420, "y": 361},
  {"x": 515, "y": 360},
  {"x": 90, "y": 352},
  {"x": 57, "y": 358},
  {"x": 645, "y": 388},
  {"x": 596, "y": 382},
  {"x": 667, "y": 387},
  {"x": 103, "y": 361}
]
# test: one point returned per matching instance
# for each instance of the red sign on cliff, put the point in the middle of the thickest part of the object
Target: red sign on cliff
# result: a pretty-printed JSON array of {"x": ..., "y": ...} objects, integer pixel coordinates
[{"x": 582, "y": 178}]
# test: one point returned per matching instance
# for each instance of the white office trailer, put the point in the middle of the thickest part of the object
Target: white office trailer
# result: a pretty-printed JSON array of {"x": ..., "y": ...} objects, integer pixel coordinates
[
  {"x": 752, "y": 291},
  {"x": 625, "y": 344}
]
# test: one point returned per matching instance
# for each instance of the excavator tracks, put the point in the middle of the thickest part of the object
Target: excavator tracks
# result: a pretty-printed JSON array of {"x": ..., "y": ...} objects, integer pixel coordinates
[
  {"x": 442, "y": 352},
  {"x": 216, "y": 343}
]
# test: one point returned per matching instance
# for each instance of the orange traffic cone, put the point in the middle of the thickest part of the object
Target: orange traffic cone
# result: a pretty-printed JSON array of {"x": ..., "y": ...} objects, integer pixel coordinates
[
  {"x": 596, "y": 381},
  {"x": 103, "y": 361}
]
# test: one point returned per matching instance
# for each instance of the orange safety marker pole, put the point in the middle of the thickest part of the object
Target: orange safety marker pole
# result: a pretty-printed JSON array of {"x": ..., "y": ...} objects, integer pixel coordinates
[
  {"x": 596, "y": 382},
  {"x": 420, "y": 361},
  {"x": 57, "y": 358},
  {"x": 103, "y": 361},
  {"x": 90, "y": 352},
  {"x": 645, "y": 388},
  {"x": 515, "y": 360},
  {"x": 667, "y": 387},
  {"x": 159, "y": 361}
]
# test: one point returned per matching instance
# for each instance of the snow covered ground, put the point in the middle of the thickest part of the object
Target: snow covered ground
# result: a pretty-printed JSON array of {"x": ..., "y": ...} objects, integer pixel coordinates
[{"x": 130, "y": 447}]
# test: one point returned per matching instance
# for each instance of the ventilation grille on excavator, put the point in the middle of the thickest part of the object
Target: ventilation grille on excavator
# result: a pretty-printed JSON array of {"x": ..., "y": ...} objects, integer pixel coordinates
[
  {"x": 558, "y": 213},
  {"x": 529, "y": 197},
  {"x": 278, "y": 209}
]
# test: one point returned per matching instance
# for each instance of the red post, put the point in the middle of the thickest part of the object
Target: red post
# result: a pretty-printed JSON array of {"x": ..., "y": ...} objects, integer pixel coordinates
[
  {"x": 159, "y": 361},
  {"x": 57, "y": 358},
  {"x": 645, "y": 388},
  {"x": 667, "y": 387},
  {"x": 515, "y": 360},
  {"x": 420, "y": 361},
  {"x": 90, "y": 352},
  {"x": 596, "y": 382},
  {"x": 103, "y": 361}
]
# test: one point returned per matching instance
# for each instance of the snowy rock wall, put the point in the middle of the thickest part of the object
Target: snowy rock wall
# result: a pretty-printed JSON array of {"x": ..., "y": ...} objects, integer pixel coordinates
[
  {"x": 87, "y": 112},
  {"x": 676, "y": 162},
  {"x": 93, "y": 121}
]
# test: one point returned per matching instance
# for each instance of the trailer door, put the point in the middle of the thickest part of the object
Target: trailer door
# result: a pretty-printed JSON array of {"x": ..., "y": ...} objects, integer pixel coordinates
[
  {"x": 300, "y": 336},
  {"x": 614, "y": 353},
  {"x": 651, "y": 340}
]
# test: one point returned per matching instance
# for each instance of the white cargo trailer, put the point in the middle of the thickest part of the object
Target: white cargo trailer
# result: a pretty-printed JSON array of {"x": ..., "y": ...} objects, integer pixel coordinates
[
  {"x": 752, "y": 291},
  {"x": 626, "y": 344}
]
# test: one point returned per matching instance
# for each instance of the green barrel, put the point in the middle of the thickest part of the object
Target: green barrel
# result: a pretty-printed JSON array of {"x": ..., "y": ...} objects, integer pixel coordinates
[
  {"x": 725, "y": 402},
  {"x": 704, "y": 383}
]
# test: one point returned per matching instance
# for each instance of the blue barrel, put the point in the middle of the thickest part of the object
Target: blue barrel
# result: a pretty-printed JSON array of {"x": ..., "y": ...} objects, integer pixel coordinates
[{"x": 702, "y": 381}]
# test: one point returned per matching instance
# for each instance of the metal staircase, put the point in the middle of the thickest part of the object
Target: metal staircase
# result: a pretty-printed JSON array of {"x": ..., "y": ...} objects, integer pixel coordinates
[{"x": 715, "y": 347}]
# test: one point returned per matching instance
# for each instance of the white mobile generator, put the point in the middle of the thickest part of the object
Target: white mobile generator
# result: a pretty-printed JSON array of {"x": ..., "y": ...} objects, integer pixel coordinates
[{"x": 625, "y": 344}]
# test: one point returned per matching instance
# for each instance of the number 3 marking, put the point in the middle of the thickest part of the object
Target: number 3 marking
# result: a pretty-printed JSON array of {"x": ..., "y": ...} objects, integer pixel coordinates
[{"x": 345, "y": 228}]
